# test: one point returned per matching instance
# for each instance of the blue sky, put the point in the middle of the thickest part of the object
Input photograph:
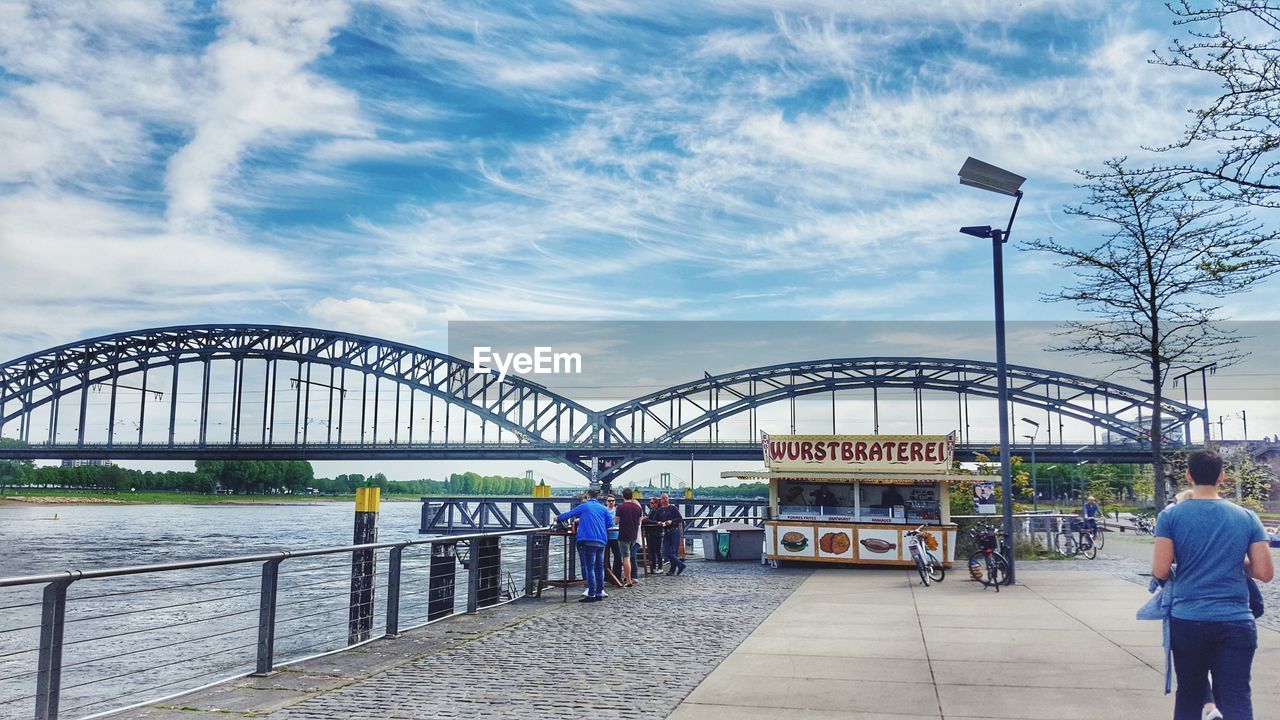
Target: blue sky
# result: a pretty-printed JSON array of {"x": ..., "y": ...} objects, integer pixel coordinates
[{"x": 386, "y": 167}]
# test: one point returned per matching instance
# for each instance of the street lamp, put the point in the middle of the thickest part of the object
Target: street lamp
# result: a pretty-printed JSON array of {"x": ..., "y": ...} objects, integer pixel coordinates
[
  {"x": 1035, "y": 489},
  {"x": 975, "y": 173}
]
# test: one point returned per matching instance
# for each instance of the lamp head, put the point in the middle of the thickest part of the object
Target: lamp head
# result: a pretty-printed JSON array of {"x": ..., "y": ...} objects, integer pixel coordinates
[
  {"x": 1029, "y": 421},
  {"x": 978, "y": 231},
  {"x": 986, "y": 176}
]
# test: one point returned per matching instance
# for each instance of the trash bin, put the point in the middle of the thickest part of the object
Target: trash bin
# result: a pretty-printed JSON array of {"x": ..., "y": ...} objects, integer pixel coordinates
[{"x": 732, "y": 541}]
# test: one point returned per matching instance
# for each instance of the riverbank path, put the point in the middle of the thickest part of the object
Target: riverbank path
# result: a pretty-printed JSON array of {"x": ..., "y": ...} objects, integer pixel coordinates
[{"x": 734, "y": 640}]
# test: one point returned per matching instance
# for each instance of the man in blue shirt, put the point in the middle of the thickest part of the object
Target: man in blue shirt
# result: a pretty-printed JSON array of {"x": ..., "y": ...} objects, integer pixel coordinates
[
  {"x": 593, "y": 527},
  {"x": 1091, "y": 512},
  {"x": 1214, "y": 543}
]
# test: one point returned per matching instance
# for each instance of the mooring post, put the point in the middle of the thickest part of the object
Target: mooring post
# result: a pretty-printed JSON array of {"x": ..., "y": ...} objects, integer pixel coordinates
[{"x": 360, "y": 614}]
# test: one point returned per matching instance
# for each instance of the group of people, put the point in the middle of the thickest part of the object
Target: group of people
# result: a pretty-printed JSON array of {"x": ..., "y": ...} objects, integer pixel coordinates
[{"x": 618, "y": 530}]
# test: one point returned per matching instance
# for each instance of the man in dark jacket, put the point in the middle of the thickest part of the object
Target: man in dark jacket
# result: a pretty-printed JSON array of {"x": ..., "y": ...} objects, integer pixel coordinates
[
  {"x": 671, "y": 521},
  {"x": 652, "y": 537},
  {"x": 593, "y": 532}
]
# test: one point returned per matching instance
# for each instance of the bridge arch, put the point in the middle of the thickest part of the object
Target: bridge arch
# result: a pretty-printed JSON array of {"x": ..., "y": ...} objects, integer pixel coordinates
[
  {"x": 131, "y": 363},
  {"x": 660, "y": 417}
]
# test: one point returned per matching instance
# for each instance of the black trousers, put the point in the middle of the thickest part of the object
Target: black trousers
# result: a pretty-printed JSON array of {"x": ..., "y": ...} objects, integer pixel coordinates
[{"x": 653, "y": 544}]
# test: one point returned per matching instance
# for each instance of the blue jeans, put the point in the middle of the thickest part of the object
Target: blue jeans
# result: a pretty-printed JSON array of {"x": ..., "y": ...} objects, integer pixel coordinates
[
  {"x": 591, "y": 555},
  {"x": 1224, "y": 649},
  {"x": 671, "y": 547}
]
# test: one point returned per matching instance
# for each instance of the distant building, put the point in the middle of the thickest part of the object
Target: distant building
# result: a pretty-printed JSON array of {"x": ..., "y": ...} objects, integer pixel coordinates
[{"x": 87, "y": 463}]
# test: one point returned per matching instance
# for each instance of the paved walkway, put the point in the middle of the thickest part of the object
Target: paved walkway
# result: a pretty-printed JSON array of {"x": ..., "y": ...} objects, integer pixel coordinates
[
  {"x": 861, "y": 644},
  {"x": 734, "y": 640}
]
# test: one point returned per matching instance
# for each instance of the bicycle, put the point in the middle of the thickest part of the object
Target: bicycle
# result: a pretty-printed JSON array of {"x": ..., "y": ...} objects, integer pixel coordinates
[
  {"x": 987, "y": 565},
  {"x": 928, "y": 565},
  {"x": 1143, "y": 525},
  {"x": 1077, "y": 542},
  {"x": 1096, "y": 533}
]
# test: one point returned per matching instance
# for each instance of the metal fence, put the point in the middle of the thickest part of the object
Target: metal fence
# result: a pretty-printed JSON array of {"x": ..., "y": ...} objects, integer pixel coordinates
[
  {"x": 86, "y": 643},
  {"x": 478, "y": 514}
]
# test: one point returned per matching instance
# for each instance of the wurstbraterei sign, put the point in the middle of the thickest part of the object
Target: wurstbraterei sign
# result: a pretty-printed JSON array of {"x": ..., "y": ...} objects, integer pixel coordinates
[{"x": 859, "y": 453}]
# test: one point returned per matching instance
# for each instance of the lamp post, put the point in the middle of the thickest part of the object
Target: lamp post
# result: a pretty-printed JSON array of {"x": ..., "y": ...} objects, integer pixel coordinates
[
  {"x": 1035, "y": 489},
  {"x": 981, "y": 175},
  {"x": 1080, "y": 472}
]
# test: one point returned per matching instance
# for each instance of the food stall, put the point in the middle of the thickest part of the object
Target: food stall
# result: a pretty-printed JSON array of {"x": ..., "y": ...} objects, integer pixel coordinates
[{"x": 851, "y": 498}]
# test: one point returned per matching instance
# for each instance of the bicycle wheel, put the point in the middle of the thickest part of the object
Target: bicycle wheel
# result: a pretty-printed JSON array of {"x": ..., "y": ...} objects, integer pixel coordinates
[
  {"x": 983, "y": 569},
  {"x": 1000, "y": 569},
  {"x": 1067, "y": 544},
  {"x": 1099, "y": 538},
  {"x": 920, "y": 568},
  {"x": 1087, "y": 546},
  {"x": 936, "y": 571}
]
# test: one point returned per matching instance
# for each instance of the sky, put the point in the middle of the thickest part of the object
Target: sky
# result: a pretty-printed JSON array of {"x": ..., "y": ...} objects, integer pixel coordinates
[{"x": 387, "y": 167}]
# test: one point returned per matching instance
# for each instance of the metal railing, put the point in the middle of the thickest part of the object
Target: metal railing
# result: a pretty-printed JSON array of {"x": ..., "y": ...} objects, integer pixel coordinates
[
  {"x": 478, "y": 514},
  {"x": 91, "y": 642}
]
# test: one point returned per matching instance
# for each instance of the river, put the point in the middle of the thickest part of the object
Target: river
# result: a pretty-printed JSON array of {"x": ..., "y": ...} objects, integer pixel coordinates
[{"x": 100, "y": 536}]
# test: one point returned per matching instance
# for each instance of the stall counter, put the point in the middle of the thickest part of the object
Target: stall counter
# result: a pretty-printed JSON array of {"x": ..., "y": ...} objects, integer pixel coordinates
[{"x": 872, "y": 544}]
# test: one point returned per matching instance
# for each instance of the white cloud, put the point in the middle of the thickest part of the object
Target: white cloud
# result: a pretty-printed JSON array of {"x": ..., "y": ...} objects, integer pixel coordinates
[
  {"x": 259, "y": 88},
  {"x": 393, "y": 316},
  {"x": 74, "y": 267}
]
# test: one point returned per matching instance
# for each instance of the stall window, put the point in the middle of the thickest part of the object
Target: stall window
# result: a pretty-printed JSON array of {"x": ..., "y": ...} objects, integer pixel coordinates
[
  {"x": 879, "y": 501},
  {"x": 815, "y": 497}
]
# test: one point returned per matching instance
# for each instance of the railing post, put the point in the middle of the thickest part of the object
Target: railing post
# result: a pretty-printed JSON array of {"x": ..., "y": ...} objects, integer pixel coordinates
[
  {"x": 267, "y": 618},
  {"x": 440, "y": 585},
  {"x": 393, "y": 592},
  {"x": 532, "y": 586},
  {"x": 49, "y": 678},
  {"x": 473, "y": 579}
]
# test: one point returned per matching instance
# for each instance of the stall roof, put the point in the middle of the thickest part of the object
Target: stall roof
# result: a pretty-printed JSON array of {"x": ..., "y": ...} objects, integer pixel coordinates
[{"x": 882, "y": 478}]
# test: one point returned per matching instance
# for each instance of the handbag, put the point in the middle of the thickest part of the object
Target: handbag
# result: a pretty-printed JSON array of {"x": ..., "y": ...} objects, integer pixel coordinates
[{"x": 1255, "y": 598}]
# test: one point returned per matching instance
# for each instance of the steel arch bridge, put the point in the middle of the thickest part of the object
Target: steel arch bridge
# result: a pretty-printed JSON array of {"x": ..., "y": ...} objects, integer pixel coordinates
[{"x": 277, "y": 392}]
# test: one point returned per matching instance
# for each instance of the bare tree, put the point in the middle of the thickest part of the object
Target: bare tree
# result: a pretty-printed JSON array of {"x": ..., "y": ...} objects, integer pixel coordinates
[
  {"x": 1152, "y": 281},
  {"x": 1238, "y": 42}
]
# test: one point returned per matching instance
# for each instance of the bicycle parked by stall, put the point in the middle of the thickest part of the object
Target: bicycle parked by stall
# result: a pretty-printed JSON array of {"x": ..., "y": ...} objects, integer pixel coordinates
[
  {"x": 922, "y": 544},
  {"x": 1079, "y": 541},
  {"x": 986, "y": 564}
]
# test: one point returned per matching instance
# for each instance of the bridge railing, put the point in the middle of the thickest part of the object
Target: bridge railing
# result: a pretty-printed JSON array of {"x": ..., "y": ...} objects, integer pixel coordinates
[
  {"x": 449, "y": 515},
  {"x": 86, "y": 642}
]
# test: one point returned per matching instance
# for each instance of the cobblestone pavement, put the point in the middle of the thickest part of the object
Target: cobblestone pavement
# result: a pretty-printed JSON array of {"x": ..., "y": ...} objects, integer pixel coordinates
[{"x": 659, "y": 640}]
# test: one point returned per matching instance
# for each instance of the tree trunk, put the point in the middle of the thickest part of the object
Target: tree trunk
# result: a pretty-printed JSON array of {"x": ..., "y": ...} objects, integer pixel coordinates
[{"x": 1157, "y": 437}]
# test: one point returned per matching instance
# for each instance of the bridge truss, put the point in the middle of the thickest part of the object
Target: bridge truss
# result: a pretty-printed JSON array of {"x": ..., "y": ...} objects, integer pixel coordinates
[{"x": 275, "y": 392}]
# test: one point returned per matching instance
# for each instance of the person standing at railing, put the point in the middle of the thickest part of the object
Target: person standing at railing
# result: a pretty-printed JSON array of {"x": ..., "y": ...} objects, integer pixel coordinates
[
  {"x": 612, "y": 552},
  {"x": 652, "y": 536},
  {"x": 629, "y": 516},
  {"x": 593, "y": 524},
  {"x": 672, "y": 523}
]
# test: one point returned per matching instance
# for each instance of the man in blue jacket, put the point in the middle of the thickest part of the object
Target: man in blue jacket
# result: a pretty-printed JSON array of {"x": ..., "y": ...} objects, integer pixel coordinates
[{"x": 593, "y": 532}]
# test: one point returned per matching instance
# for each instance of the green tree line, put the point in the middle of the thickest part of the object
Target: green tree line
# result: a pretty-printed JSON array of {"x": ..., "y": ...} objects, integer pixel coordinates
[{"x": 246, "y": 477}]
